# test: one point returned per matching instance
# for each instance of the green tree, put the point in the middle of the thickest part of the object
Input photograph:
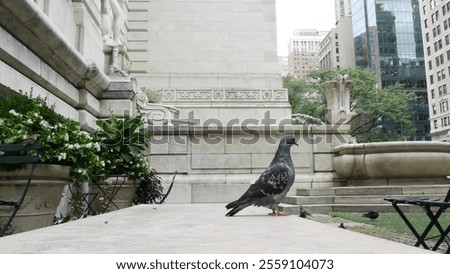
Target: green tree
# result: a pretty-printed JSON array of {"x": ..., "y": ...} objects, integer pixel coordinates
[
  {"x": 305, "y": 98},
  {"x": 370, "y": 105}
]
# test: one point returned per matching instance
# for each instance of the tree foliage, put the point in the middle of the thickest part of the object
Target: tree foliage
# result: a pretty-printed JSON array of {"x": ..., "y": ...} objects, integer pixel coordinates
[
  {"x": 305, "y": 98},
  {"x": 370, "y": 105}
]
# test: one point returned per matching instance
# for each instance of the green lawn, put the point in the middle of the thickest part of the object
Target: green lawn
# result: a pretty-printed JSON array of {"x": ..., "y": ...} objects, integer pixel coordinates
[{"x": 393, "y": 222}]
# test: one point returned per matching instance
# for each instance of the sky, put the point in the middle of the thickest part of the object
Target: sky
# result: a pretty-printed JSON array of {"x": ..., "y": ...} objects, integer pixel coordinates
[{"x": 302, "y": 14}]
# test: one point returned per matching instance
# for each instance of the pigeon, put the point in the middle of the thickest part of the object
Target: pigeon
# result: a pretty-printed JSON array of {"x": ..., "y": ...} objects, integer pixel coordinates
[
  {"x": 342, "y": 226},
  {"x": 272, "y": 185},
  {"x": 371, "y": 215},
  {"x": 303, "y": 212}
]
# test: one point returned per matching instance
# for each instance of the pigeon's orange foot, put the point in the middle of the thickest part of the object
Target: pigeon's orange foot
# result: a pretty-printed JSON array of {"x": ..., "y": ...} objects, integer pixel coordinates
[{"x": 278, "y": 213}]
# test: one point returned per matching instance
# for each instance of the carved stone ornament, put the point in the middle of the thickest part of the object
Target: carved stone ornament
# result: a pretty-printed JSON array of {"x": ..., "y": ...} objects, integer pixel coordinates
[
  {"x": 152, "y": 113},
  {"x": 338, "y": 100},
  {"x": 234, "y": 95}
]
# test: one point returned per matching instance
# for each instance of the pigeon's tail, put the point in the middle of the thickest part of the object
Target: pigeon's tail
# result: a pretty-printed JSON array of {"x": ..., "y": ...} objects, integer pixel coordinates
[{"x": 236, "y": 207}]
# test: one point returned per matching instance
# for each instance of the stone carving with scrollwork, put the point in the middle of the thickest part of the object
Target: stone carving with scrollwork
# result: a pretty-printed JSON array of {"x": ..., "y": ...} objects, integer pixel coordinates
[
  {"x": 153, "y": 113},
  {"x": 223, "y": 95}
]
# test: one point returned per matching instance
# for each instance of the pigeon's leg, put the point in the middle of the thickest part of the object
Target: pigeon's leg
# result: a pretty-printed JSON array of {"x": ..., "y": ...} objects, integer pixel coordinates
[{"x": 277, "y": 212}]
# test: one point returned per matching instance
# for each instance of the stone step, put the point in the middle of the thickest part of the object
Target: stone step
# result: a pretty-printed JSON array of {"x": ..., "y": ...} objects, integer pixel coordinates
[
  {"x": 359, "y": 199},
  {"x": 308, "y": 200},
  {"x": 328, "y": 208},
  {"x": 374, "y": 190}
]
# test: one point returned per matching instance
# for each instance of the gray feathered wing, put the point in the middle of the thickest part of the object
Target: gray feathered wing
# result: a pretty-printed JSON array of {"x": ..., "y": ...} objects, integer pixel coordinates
[{"x": 268, "y": 190}]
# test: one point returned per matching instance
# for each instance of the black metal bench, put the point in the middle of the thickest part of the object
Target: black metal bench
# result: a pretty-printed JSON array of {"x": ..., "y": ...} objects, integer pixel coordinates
[
  {"x": 433, "y": 208},
  {"x": 19, "y": 159}
]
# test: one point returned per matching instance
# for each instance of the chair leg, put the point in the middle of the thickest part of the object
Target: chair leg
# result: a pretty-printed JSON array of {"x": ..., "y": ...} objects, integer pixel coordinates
[{"x": 19, "y": 203}]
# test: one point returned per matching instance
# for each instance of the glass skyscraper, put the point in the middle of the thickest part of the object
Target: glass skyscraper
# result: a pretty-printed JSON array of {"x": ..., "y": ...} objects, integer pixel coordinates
[{"x": 388, "y": 41}]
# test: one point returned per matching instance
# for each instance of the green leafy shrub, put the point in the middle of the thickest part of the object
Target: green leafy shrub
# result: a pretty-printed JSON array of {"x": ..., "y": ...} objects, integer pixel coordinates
[
  {"x": 150, "y": 190},
  {"x": 64, "y": 143}
]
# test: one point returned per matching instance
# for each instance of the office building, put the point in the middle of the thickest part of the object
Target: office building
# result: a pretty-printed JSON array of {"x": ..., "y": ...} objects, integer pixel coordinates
[
  {"x": 435, "y": 17},
  {"x": 303, "y": 50},
  {"x": 337, "y": 48},
  {"x": 343, "y": 9},
  {"x": 388, "y": 41}
]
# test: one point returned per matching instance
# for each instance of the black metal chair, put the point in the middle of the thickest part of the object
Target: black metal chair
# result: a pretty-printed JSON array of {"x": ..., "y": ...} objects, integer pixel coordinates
[
  {"x": 427, "y": 204},
  {"x": 18, "y": 159}
]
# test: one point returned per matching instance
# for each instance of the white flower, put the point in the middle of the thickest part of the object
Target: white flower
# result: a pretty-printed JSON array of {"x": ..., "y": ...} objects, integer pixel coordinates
[
  {"x": 81, "y": 171},
  {"x": 89, "y": 145},
  {"x": 44, "y": 123},
  {"x": 76, "y": 146},
  {"x": 13, "y": 112},
  {"x": 66, "y": 137},
  {"x": 62, "y": 156}
]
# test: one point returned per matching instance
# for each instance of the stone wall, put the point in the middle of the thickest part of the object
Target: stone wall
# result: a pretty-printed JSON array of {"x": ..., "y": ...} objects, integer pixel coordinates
[
  {"x": 55, "y": 50},
  {"x": 192, "y": 47},
  {"x": 218, "y": 164}
]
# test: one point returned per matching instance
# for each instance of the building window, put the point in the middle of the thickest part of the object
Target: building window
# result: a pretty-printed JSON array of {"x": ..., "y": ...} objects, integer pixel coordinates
[
  {"x": 435, "y": 124},
  {"x": 433, "y": 4},
  {"x": 435, "y": 17},
  {"x": 434, "y": 109},
  {"x": 431, "y": 79},
  {"x": 444, "y": 106},
  {"x": 430, "y": 65},
  {"x": 432, "y": 94}
]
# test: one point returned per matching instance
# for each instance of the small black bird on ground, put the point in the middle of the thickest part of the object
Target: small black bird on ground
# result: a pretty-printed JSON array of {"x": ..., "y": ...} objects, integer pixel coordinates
[
  {"x": 303, "y": 212},
  {"x": 371, "y": 215},
  {"x": 342, "y": 226}
]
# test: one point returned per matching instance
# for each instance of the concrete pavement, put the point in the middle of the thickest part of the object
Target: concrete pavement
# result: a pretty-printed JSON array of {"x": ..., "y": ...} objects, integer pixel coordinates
[{"x": 197, "y": 229}]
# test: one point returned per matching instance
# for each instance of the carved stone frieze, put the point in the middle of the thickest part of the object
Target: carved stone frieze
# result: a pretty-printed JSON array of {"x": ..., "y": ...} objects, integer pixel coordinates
[{"x": 224, "y": 95}]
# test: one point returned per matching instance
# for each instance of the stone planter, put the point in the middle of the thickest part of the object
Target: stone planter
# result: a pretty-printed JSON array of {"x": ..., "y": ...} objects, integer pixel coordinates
[
  {"x": 123, "y": 199},
  {"x": 39, "y": 207},
  {"x": 393, "y": 160}
]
